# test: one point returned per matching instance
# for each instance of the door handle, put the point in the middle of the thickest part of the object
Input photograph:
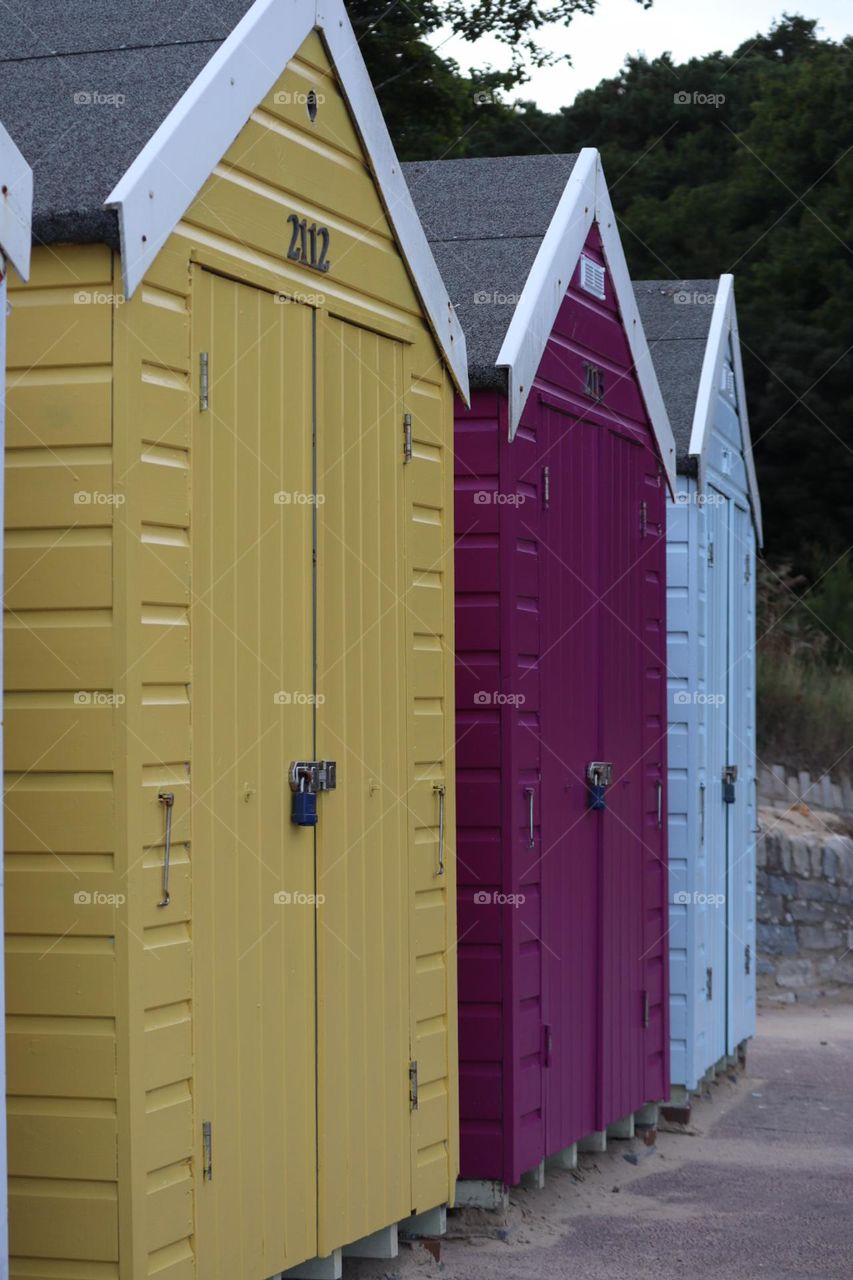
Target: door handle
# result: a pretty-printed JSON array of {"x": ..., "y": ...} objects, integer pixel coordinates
[
  {"x": 660, "y": 804},
  {"x": 441, "y": 791},
  {"x": 167, "y": 798},
  {"x": 531, "y": 837}
]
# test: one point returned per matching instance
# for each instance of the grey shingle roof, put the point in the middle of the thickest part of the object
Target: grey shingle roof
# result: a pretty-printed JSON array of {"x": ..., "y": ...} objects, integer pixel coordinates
[
  {"x": 485, "y": 220},
  {"x": 676, "y": 316},
  {"x": 84, "y": 85}
]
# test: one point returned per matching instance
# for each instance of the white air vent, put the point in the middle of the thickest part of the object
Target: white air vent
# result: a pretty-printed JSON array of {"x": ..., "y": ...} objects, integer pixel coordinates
[{"x": 592, "y": 277}]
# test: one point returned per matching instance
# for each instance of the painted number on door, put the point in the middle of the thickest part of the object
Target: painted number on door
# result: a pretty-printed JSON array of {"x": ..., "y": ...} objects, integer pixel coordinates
[{"x": 309, "y": 243}]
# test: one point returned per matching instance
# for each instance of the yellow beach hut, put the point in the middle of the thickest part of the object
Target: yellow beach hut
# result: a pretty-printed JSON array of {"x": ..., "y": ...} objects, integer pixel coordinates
[{"x": 229, "y": 687}]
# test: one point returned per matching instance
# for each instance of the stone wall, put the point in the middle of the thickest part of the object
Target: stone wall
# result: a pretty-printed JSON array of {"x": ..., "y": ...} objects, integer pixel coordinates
[{"x": 804, "y": 932}]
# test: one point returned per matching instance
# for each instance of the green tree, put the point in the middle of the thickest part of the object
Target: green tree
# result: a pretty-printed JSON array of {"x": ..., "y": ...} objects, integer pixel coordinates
[
  {"x": 431, "y": 108},
  {"x": 753, "y": 173}
]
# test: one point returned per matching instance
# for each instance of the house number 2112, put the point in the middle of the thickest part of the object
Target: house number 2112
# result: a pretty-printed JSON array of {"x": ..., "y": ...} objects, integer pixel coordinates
[{"x": 309, "y": 244}]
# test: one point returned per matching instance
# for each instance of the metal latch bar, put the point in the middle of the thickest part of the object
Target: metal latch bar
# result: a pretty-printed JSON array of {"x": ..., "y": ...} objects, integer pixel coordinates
[
  {"x": 207, "y": 1150},
  {"x": 203, "y": 380}
]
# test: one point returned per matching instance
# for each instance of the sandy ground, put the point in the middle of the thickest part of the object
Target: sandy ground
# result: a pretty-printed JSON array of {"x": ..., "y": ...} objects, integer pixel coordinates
[{"x": 760, "y": 1184}]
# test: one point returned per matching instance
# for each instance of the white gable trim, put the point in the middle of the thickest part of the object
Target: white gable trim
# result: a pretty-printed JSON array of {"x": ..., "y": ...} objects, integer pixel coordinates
[
  {"x": 585, "y": 200},
  {"x": 533, "y": 319},
  {"x": 723, "y": 325},
  {"x": 16, "y": 206},
  {"x": 161, "y": 183}
]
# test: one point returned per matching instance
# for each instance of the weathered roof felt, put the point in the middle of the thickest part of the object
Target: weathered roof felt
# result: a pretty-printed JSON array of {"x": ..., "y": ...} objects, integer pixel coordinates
[
  {"x": 676, "y": 316},
  {"x": 84, "y": 86},
  {"x": 485, "y": 220}
]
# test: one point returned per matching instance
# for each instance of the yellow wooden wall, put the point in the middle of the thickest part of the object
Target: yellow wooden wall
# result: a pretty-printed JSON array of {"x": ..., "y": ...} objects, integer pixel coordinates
[
  {"x": 63, "y": 1002},
  {"x": 103, "y": 1142},
  {"x": 431, "y": 747}
]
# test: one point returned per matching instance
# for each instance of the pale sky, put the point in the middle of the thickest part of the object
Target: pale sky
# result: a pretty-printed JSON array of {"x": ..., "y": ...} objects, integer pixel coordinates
[{"x": 599, "y": 43}]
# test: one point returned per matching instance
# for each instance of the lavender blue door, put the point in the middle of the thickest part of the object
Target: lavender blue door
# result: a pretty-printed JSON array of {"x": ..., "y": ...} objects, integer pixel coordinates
[
  {"x": 560, "y": 638},
  {"x": 711, "y": 577}
]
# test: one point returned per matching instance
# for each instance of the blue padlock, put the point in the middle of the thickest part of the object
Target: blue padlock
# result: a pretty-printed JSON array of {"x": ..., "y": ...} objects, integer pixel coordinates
[
  {"x": 304, "y": 812},
  {"x": 596, "y": 795}
]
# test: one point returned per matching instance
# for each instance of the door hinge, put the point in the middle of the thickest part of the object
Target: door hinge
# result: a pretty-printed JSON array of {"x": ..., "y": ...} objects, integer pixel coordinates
[
  {"x": 645, "y": 1008},
  {"x": 644, "y": 518},
  {"x": 746, "y": 568},
  {"x": 407, "y": 438},
  {"x": 203, "y": 381},
  {"x": 747, "y": 958},
  {"x": 547, "y": 1044},
  {"x": 709, "y": 984},
  {"x": 413, "y": 1085},
  {"x": 546, "y": 487},
  {"x": 710, "y": 551},
  {"x": 207, "y": 1151}
]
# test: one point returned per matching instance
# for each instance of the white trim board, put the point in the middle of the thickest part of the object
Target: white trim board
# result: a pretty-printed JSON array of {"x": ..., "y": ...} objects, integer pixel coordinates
[
  {"x": 585, "y": 200},
  {"x": 156, "y": 190},
  {"x": 723, "y": 324},
  {"x": 16, "y": 206}
]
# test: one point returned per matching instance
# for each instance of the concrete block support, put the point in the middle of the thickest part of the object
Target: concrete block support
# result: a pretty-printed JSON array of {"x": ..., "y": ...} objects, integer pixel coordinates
[
  {"x": 623, "y": 1128},
  {"x": 481, "y": 1194},
  {"x": 329, "y": 1268},
  {"x": 534, "y": 1179},
  {"x": 565, "y": 1159},
  {"x": 379, "y": 1244},
  {"x": 432, "y": 1222}
]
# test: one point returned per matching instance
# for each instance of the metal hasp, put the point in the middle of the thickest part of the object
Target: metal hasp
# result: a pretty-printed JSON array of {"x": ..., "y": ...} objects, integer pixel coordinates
[
  {"x": 729, "y": 780},
  {"x": 306, "y": 778},
  {"x": 599, "y": 775},
  {"x": 313, "y": 775},
  {"x": 167, "y": 798}
]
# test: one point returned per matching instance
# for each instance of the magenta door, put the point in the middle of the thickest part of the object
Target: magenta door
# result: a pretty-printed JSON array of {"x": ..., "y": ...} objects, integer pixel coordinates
[
  {"x": 560, "y": 635},
  {"x": 634, "y": 1031},
  {"x": 571, "y": 734},
  {"x": 602, "y": 700},
  {"x": 622, "y": 825}
]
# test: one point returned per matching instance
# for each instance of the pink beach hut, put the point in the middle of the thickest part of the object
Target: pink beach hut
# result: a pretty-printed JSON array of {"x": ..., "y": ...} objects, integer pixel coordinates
[{"x": 562, "y": 467}]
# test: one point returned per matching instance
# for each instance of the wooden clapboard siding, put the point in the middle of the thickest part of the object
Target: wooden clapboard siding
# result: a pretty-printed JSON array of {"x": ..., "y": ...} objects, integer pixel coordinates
[
  {"x": 430, "y": 647},
  {"x": 62, "y": 946},
  {"x": 153, "y": 600}
]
